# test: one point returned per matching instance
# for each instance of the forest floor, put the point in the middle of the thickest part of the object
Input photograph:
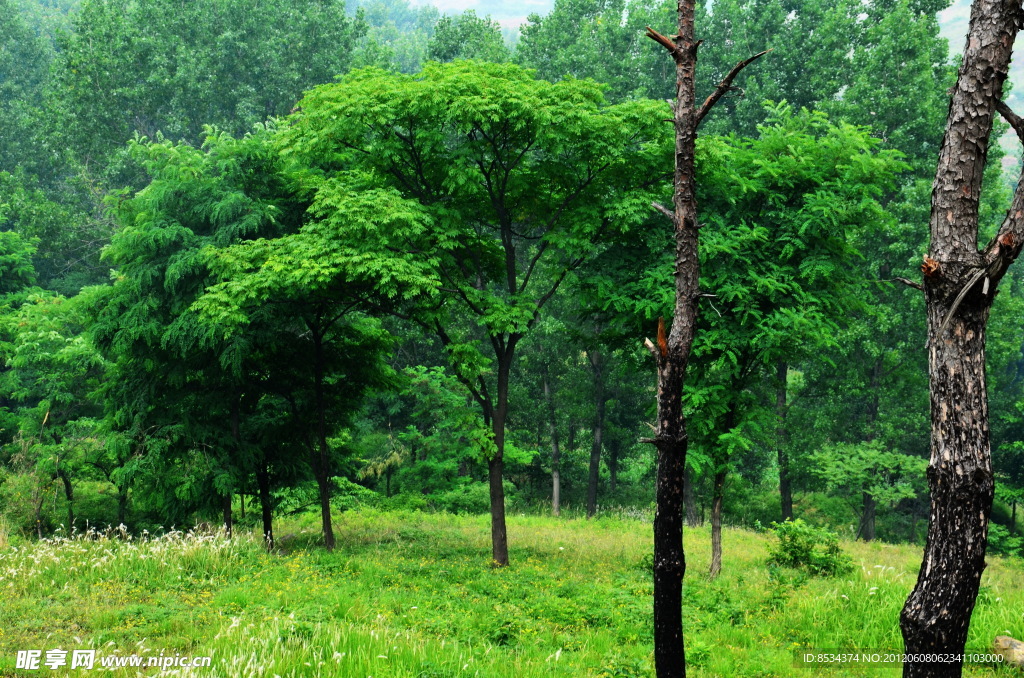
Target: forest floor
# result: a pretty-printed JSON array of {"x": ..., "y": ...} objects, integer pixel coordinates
[{"x": 413, "y": 595}]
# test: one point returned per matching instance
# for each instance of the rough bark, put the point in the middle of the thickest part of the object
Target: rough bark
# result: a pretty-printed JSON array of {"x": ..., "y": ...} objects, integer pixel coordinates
[
  {"x": 556, "y": 482},
  {"x": 672, "y": 352},
  {"x": 781, "y": 397},
  {"x": 597, "y": 368},
  {"x": 960, "y": 281}
]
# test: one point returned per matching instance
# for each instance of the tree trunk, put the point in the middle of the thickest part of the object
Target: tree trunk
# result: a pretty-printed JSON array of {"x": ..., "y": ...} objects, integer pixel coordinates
[
  {"x": 613, "y": 467},
  {"x": 122, "y": 504},
  {"x": 321, "y": 459},
  {"x": 597, "y": 367},
  {"x": 867, "y": 519},
  {"x": 226, "y": 505},
  {"x": 959, "y": 283},
  {"x": 693, "y": 518},
  {"x": 785, "y": 491},
  {"x": 69, "y": 495},
  {"x": 716, "y": 525},
  {"x": 263, "y": 481},
  {"x": 496, "y": 465},
  {"x": 556, "y": 481},
  {"x": 1013, "y": 518},
  {"x": 672, "y": 352}
]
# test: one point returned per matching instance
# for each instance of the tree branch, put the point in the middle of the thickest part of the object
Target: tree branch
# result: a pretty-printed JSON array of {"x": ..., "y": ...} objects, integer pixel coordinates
[
  {"x": 725, "y": 85},
  {"x": 664, "y": 210},
  {"x": 661, "y": 40},
  {"x": 907, "y": 282}
]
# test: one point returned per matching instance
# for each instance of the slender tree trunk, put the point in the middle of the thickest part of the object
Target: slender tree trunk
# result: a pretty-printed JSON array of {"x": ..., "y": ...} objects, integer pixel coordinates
[
  {"x": 122, "y": 504},
  {"x": 226, "y": 506},
  {"x": 959, "y": 283},
  {"x": 69, "y": 495},
  {"x": 321, "y": 461},
  {"x": 693, "y": 518},
  {"x": 1013, "y": 517},
  {"x": 672, "y": 352},
  {"x": 781, "y": 394},
  {"x": 716, "y": 525},
  {"x": 867, "y": 519},
  {"x": 613, "y": 467},
  {"x": 597, "y": 367},
  {"x": 556, "y": 482},
  {"x": 495, "y": 466},
  {"x": 266, "y": 507}
]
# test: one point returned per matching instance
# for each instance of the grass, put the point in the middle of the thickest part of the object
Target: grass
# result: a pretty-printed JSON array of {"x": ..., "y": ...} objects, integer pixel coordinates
[{"x": 412, "y": 595}]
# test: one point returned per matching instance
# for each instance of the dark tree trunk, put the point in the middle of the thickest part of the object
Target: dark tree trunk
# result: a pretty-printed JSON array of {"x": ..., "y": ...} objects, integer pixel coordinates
[
  {"x": 496, "y": 465},
  {"x": 321, "y": 459},
  {"x": 226, "y": 505},
  {"x": 556, "y": 481},
  {"x": 266, "y": 507},
  {"x": 867, "y": 519},
  {"x": 1013, "y": 517},
  {"x": 785, "y": 491},
  {"x": 959, "y": 283},
  {"x": 693, "y": 518},
  {"x": 69, "y": 495},
  {"x": 672, "y": 352},
  {"x": 597, "y": 367}
]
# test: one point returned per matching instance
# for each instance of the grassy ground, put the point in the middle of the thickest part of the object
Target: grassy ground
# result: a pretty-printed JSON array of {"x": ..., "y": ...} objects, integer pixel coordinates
[{"x": 411, "y": 595}]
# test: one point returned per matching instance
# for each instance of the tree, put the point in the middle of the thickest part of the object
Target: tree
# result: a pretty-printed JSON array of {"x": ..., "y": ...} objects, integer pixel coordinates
[
  {"x": 672, "y": 352},
  {"x": 960, "y": 281},
  {"x": 521, "y": 180},
  {"x": 467, "y": 36}
]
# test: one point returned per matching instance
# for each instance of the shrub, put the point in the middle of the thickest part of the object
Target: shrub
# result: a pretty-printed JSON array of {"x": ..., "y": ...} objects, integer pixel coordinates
[{"x": 802, "y": 546}]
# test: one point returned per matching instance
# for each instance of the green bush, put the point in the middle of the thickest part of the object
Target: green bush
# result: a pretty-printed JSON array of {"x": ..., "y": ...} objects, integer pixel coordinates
[
  {"x": 1001, "y": 542},
  {"x": 802, "y": 546}
]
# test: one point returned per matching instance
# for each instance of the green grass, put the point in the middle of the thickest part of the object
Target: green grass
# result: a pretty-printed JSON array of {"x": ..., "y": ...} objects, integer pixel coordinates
[{"x": 413, "y": 595}]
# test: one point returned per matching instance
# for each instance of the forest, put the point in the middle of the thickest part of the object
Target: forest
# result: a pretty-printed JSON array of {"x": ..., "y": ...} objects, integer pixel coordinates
[{"x": 297, "y": 294}]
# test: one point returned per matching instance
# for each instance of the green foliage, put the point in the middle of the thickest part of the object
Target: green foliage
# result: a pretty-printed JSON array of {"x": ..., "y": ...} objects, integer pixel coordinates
[
  {"x": 802, "y": 546},
  {"x": 132, "y": 68},
  {"x": 467, "y": 36}
]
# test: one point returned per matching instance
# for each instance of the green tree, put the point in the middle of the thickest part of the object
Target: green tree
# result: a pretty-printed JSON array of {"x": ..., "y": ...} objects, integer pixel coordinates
[
  {"x": 467, "y": 36},
  {"x": 521, "y": 180}
]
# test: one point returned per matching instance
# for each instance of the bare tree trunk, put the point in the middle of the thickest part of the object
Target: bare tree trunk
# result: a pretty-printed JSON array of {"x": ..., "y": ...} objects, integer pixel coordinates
[
  {"x": 499, "y": 534},
  {"x": 556, "y": 483},
  {"x": 672, "y": 352},
  {"x": 959, "y": 282},
  {"x": 321, "y": 456},
  {"x": 597, "y": 367},
  {"x": 785, "y": 491}
]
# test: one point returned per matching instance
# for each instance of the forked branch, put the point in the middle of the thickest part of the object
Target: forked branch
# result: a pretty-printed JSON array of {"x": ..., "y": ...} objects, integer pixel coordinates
[{"x": 725, "y": 85}]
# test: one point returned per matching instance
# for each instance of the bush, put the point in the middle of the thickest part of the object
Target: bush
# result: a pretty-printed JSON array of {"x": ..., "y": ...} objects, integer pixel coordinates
[
  {"x": 802, "y": 546},
  {"x": 1001, "y": 542}
]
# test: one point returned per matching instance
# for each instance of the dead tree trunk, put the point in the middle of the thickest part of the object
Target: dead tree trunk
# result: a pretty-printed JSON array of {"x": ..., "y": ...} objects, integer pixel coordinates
[
  {"x": 672, "y": 352},
  {"x": 960, "y": 281}
]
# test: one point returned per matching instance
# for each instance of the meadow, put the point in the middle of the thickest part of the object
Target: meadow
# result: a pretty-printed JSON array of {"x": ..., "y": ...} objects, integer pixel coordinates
[{"x": 412, "y": 595}]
